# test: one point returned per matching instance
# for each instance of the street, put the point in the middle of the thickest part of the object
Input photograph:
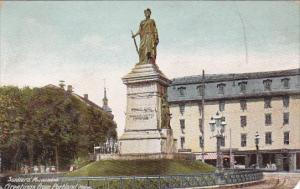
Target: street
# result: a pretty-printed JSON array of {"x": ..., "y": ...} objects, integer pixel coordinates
[{"x": 278, "y": 181}]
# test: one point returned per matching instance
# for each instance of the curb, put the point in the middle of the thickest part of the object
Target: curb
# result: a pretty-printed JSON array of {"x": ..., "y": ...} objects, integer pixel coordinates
[
  {"x": 238, "y": 185},
  {"x": 243, "y": 184}
]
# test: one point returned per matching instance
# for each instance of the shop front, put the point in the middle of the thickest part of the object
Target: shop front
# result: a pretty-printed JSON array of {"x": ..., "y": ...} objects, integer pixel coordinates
[{"x": 269, "y": 160}]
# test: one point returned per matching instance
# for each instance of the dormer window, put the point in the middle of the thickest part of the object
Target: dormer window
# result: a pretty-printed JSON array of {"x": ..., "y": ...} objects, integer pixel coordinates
[
  {"x": 267, "y": 84},
  {"x": 243, "y": 86},
  {"x": 286, "y": 83},
  {"x": 200, "y": 90},
  {"x": 181, "y": 91},
  {"x": 221, "y": 88}
]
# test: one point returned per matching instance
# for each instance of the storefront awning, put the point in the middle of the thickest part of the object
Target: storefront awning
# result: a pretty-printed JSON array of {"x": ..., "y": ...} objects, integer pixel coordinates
[{"x": 210, "y": 156}]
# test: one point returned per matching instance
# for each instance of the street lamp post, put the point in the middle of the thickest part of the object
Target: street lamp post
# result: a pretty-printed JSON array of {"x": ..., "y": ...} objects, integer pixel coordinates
[
  {"x": 257, "y": 149},
  {"x": 217, "y": 127}
]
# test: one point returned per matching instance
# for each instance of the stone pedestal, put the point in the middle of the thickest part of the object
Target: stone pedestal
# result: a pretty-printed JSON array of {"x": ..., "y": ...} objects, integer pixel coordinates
[{"x": 146, "y": 85}]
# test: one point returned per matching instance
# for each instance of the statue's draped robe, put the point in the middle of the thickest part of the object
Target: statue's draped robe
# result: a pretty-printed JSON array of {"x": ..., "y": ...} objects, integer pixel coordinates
[{"x": 148, "y": 40}]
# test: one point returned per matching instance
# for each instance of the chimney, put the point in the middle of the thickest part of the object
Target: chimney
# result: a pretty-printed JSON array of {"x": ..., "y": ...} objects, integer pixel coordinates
[
  {"x": 70, "y": 89},
  {"x": 86, "y": 96}
]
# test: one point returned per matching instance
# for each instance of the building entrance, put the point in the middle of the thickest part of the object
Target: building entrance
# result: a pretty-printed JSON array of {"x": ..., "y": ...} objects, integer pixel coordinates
[{"x": 285, "y": 161}]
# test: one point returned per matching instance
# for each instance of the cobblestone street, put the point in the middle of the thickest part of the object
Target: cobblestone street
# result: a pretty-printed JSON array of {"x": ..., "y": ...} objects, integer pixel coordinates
[{"x": 278, "y": 181}]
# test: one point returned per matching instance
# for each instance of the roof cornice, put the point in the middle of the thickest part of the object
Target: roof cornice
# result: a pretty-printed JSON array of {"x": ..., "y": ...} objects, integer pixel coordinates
[{"x": 210, "y": 78}]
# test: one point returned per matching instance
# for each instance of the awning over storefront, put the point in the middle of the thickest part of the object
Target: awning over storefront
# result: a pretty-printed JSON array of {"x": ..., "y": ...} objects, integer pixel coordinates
[
  {"x": 210, "y": 156},
  {"x": 239, "y": 155}
]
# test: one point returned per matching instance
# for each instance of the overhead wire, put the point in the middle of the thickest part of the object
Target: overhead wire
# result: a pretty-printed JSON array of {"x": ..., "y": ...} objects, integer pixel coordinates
[{"x": 244, "y": 33}]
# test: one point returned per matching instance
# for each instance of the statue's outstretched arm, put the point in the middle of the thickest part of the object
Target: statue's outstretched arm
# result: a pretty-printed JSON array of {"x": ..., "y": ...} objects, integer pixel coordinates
[
  {"x": 137, "y": 33},
  {"x": 134, "y": 35}
]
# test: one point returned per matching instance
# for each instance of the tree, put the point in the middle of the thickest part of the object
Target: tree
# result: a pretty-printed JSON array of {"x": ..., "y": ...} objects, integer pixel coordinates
[
  {"x": 49, "y": 125},
  {"x": 11, "y": 123}
]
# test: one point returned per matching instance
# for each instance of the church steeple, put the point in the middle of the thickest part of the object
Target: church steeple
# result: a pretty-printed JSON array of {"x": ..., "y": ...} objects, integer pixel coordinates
[{"x": 105, "y": 102}]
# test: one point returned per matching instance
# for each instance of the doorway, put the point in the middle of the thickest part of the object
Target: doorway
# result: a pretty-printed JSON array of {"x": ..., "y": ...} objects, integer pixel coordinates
[{"x": 285, "y": 162}]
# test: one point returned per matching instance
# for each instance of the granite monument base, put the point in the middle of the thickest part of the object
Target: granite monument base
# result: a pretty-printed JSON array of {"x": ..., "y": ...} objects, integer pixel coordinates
[
  {"x": 144, "y": 132},
  {"x": 147, "y": 142}
]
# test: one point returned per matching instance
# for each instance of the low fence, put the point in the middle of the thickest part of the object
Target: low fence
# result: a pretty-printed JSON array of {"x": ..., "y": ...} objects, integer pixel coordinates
[
  {"x": 139, "y": 182},
  {"x": 241, "y": 176}
]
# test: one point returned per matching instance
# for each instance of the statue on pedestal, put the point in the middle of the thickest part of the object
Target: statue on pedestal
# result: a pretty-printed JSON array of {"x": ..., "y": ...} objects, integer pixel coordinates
[
  {"x": 147, "y": 123},
  {"x": 148, "y": 39}
]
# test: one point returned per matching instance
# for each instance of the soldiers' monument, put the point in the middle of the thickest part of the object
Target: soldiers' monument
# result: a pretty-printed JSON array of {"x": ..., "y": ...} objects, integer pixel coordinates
[{"x": 147, "y": 127}]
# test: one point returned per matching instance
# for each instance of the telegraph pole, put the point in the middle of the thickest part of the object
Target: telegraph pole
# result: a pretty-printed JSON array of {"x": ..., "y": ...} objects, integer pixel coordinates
[
  {"x": 202, "y": 119},
  {"x": 230, "y": 151}
]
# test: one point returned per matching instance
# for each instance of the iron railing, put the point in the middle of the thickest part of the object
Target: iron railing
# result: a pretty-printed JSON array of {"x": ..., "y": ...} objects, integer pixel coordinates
[{"x": 153, "y": 182}]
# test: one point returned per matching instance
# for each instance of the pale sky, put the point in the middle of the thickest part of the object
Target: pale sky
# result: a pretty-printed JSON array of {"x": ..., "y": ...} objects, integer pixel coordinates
[{"x": 85, "y": 42}]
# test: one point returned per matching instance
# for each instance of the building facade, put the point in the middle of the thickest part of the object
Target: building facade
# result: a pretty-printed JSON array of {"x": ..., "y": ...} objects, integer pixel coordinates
[{"x": 267, "y": 103}]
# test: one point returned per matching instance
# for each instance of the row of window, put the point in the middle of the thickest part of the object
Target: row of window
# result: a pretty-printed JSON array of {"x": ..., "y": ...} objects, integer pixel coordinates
[
  {"x": 285, "y": 101},
  {"x": 267, "y": 103},
  {"x": 182, "y": 124},
  {"x": 243, "y": 121},
  {"x": 243, "y": 86},
  {"x": 243, "y": 104},
  {"x": 268, "y": 140},
  {"x": 268, "y": 119}
]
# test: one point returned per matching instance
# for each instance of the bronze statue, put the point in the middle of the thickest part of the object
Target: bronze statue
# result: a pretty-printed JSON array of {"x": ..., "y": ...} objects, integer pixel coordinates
[
  {"x": 148, "y": 39},
  {"x": 165, "y": 113}
]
